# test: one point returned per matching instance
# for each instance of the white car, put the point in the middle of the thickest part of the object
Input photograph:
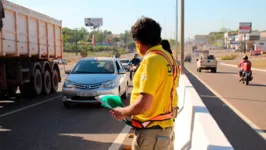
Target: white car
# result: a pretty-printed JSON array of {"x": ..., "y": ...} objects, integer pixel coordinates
[
  {"x": 207, "y": 62},
  {"x": 125, "y": 64},
  {"x": 93, "y": 77}
]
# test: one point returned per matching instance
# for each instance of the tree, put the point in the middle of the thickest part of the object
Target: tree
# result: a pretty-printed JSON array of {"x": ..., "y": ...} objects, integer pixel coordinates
[
  {"x": 131, "y": 45},
  {"x": 116, "y": 39}
]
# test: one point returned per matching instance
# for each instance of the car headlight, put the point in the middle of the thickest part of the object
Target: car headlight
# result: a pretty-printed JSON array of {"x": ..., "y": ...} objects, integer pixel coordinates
[
  {"x": 68, "y": 84},
  {"x": 108, "y": 84}
]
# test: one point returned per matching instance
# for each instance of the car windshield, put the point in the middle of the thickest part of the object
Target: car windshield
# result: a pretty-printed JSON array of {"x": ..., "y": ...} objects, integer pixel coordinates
[
  {"x": 94, "y": 67},
  {"x": 124, "y": 61}
]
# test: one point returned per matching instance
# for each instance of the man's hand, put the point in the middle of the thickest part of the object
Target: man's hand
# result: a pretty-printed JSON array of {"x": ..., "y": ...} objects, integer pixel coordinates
[
  {"x": 175, "y": 112},
  {"x": 118, "y": 112}
]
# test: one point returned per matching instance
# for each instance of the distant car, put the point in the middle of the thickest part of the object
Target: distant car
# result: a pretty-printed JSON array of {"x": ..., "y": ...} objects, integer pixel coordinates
[
  {"x": 256, "y": 52},
  {"x": 93, "y": 77},
  {"x": 208, "y": 62},
  {"x": 125, "y": 64}
]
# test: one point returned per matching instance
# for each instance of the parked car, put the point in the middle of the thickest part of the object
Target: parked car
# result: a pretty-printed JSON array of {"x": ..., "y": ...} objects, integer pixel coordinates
[
  {"x": 256, "y": 52},
  {"x": 93, "y": 77},
  {"x": 125, "y": 64},
  {"x": 207, "y": 62}
]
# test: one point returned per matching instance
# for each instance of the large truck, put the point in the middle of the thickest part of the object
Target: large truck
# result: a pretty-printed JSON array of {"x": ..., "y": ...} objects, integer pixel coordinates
[{"x": 29, "y": 41}]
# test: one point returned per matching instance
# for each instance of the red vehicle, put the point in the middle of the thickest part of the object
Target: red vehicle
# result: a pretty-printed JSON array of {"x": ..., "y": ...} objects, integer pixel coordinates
[{"x": 257, "y": 51}]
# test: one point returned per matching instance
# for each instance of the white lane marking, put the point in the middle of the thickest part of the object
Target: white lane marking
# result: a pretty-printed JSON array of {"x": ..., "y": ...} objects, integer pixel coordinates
[
  {"x": 224, "y": 64},
  {"x": 258, "y": 130},
  {"x": 29, "y": 106},
  {"x": 120, "y": 138}
]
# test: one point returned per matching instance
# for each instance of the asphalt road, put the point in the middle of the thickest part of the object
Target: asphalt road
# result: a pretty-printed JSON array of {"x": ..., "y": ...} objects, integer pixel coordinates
[
  {"x": 49, "y": 126},
  {"x": 249, "y": 100}
]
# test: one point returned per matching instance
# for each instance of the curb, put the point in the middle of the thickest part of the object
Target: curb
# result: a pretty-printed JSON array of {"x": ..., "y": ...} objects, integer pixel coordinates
[{"x": 236, "y": 67}]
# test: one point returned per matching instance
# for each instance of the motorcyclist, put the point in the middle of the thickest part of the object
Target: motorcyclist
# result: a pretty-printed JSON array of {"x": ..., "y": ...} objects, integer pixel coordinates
[
  {"x": 244, "y": 67},
  {"x": 116, "y": 55},
  {"x": 134, "y": 61}
]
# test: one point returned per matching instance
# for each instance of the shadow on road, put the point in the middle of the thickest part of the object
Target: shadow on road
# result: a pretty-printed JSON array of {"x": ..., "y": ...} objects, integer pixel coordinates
[
  {"x": 12, "y": 103},
  {"x": 237, "y": 131},
  {"x": 259, "y": 85},
  {"x": 51, "y": 126},
  {"x": 227, "y": 73}
]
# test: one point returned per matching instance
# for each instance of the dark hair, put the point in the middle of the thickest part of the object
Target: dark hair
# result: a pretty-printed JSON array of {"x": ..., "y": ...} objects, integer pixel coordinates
[
  {"x": 166, "y": 46},
  {"x": 147, "y": 31}
]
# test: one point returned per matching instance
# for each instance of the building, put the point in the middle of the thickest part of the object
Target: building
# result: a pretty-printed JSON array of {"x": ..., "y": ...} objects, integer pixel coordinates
[{"x": 229, "y": 40}]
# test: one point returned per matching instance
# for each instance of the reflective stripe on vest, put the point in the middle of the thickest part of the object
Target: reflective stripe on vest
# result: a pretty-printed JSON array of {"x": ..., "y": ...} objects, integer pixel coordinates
[{"x": 167, "y": 115}]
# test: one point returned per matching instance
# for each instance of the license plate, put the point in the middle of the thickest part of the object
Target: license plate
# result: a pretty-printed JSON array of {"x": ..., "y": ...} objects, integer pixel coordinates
[{"x": 86, "y": 94}]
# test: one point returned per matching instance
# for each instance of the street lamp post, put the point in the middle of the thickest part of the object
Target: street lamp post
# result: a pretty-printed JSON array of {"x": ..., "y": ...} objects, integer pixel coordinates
[
  {"x": 176, "y": 32},
  {"x": 182, "y": 34}
]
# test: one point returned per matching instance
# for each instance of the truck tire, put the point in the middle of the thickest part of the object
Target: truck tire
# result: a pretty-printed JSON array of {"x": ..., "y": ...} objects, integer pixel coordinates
[
  {"x": 214, "y": 70},
  {"x": 55, "y": 81},
  {"x": 47, "y": 83},
  {"x": 37, "y": 82}
]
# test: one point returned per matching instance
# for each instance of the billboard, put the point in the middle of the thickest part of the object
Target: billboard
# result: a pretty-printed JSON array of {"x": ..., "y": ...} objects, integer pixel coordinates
[
  {"x": 245, "y": 27},
  {"x": 93, "y": 22}
]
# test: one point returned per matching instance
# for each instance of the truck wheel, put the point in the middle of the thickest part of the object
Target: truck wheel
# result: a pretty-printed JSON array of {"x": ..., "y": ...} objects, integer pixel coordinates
[
  {"x": 46, "y": 83},
  {"x": 214, "y": 70},
  {"x": 55, "y": 81},
  {"x": 37, "y": 82}
]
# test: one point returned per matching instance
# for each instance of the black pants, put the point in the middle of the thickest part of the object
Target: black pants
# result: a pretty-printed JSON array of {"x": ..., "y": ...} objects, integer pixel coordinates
[{"x": 131, "y": 74}]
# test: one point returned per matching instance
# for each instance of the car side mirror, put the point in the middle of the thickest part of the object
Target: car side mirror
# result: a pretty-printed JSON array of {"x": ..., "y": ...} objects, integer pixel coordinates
[
  {"x": 67, "y": 71},
  {"x": 122, "y": 71}
]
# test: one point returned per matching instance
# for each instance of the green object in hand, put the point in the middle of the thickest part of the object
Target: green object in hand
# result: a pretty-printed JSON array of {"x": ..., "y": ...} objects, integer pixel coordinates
[{"x": 112, "y": 101}]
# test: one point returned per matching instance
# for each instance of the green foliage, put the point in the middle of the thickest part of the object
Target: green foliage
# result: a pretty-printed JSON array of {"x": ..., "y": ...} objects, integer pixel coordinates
[
  {"x": 79, "y": 40},
  {"x": 214, "y": 36},
  {"x": 229, "y": 57}
]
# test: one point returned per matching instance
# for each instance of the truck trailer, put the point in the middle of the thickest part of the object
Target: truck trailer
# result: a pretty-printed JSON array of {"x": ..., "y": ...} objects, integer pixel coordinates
[{"x": 29, "y": 41}]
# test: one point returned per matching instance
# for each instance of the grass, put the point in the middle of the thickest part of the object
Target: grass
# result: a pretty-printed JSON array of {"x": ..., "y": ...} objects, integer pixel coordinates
[
  {"x": 229, "y": 57},
  {"x": 69, "y": 54},
  {"x": 258, "y": 64}
]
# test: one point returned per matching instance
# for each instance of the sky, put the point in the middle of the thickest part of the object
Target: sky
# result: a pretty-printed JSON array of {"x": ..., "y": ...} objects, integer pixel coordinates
[{"x": 201, "y": 16}]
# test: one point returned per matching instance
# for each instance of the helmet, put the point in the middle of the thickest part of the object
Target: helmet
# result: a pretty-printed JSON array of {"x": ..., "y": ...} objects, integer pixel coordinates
[{"x": 245, "y": 57}]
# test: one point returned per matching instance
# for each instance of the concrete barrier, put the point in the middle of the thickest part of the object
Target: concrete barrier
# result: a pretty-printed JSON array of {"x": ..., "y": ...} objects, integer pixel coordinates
[{"x": 195, "y": 128}]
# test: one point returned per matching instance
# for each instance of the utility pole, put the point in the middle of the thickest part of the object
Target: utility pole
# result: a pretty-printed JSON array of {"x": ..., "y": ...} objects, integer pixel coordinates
[
  {"x": 245, "y": 43},
  {"x": 176, "y": 31},
  {"x": 182, "y": 34}
]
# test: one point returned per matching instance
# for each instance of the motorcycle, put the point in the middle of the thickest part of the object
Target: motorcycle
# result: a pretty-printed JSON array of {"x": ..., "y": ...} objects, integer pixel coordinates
[{"x": 246, "y": 77}]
